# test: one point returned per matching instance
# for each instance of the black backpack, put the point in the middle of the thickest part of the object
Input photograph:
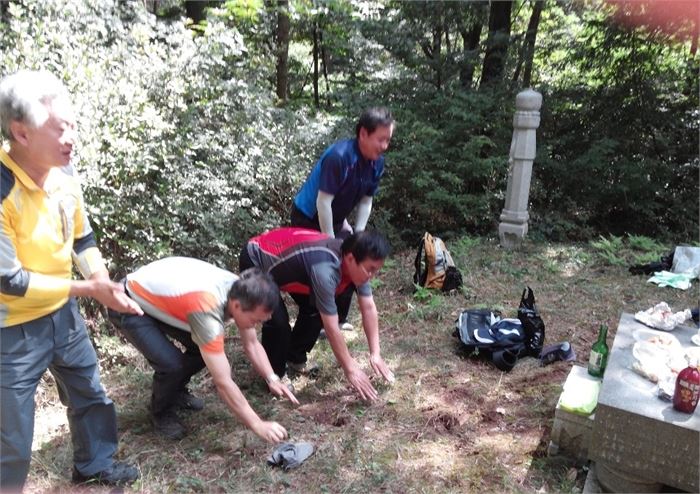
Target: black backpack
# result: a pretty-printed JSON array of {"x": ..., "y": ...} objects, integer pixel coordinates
[{"x": 486, "y": 334}]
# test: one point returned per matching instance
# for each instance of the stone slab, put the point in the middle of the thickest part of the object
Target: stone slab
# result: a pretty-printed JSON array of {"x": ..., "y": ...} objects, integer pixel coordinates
[{"x": 637, "y": 433}]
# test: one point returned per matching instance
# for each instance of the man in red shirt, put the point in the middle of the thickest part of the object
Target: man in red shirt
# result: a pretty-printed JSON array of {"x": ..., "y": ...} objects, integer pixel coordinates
[{"x": 315, "y": 270}]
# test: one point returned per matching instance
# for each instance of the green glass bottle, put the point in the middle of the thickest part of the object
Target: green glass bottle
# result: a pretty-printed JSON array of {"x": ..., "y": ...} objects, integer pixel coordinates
[{"x": 599, "y": 354}]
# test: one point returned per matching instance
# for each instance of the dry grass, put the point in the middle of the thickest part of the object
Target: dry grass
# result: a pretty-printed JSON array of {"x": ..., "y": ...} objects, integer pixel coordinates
[{"x": 449, "y": 424}]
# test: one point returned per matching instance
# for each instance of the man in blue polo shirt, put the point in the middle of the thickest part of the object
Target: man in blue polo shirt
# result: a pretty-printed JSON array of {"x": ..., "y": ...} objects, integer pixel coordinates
[{"x": 346, "y": 176}]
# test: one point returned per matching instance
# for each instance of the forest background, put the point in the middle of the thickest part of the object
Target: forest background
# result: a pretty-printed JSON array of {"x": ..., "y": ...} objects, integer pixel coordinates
[{"x": 199, "y": 120}]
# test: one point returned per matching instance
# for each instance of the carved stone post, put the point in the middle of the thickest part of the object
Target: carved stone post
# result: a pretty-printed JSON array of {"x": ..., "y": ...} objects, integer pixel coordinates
[{"x": 514, "y": 216}]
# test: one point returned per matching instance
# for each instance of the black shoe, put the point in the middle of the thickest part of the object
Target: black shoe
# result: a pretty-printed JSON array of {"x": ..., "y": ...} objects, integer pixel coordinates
[
  {"x": 118, "y": 474},
  {"x": 188, "y": 401},
  {"x": 168, "y": 425},
  {"x": 309, "y": 368}
]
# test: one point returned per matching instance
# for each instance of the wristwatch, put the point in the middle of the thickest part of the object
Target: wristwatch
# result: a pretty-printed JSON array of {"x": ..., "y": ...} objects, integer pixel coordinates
[{"x": 272, "y": 378}]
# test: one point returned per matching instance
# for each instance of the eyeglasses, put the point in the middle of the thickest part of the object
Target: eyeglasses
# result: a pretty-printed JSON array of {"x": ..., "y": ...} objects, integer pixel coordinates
[{"x": 371, "y": 273}]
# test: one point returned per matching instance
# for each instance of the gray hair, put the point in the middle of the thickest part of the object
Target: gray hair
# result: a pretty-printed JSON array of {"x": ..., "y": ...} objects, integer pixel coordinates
[
  {"x": 255, "y": 288},
  {"x": 24, "y": 96}
]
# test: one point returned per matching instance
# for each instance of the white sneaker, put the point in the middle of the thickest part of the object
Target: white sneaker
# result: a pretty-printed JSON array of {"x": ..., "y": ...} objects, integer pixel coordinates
[{"x": 346, "y": 326}]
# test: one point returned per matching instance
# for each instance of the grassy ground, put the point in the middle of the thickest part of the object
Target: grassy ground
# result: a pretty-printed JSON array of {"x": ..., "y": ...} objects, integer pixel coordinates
[{"x": 448, "y": 424}]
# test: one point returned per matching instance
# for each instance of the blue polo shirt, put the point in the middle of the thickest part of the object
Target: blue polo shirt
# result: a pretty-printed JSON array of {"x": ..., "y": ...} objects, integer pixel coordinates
[{"x": 344, "y": 173}]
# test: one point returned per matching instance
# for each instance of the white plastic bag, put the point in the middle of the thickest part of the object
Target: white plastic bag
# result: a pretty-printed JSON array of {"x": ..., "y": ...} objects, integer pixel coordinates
[
  {"x": 686, "y": 259},
  {"x": 661, "y": 317}
]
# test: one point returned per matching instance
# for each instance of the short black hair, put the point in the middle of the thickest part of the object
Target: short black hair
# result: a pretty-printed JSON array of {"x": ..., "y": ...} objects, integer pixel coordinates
[
  {"x": 374, "y": 117},
  {"x": 368, "y": 243},
  {"x": 255, "y": 288}
]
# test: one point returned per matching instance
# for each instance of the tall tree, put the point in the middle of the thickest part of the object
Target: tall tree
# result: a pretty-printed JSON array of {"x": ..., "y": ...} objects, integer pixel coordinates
[
  {"x": 530, "y": 38},
  {"x": 438, "y": 40},
  {"x": 470, "y": 40},
  {"x": 527, "y": 52},
  {"x": 497, "y": 42},
  {"x": 195, "y": 10},
  {"x": 282, "y": 69},
  {"x": 432, "y": 48},
  {"x": 470, "y": 30},
  {"x": 315, "y": 54}
]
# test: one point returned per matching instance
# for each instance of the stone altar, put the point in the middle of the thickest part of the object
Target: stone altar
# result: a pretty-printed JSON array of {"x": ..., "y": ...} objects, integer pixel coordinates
[{"x": 637, "y": 438}]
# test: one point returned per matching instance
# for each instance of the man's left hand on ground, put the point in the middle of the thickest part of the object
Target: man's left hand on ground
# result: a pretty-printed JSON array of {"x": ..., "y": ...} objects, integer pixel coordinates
[
  {"x": 361, "y": 383},
  {"x": 278, "y": 388},
  {"x": 380, "y": 367}
]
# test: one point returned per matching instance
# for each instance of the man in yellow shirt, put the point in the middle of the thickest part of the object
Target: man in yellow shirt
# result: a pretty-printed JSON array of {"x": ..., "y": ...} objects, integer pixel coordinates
[{"x": 43, "y": 227}]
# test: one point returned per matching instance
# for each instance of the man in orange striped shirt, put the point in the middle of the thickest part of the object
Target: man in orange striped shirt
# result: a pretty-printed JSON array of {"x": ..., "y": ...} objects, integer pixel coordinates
[{"x": 191, "y": 301}]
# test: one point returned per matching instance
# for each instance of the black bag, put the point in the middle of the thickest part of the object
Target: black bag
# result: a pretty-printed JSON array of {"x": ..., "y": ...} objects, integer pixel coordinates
[
  {"x": 485, "y": 334},
  {"x": 533, "y": 325},
  {"x": 664, "y": 264},
  {"x": 502, "y": 341}
]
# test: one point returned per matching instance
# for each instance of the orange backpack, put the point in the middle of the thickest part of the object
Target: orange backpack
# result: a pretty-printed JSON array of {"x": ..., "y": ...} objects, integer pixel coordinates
[{"x": 434, "y": 265}]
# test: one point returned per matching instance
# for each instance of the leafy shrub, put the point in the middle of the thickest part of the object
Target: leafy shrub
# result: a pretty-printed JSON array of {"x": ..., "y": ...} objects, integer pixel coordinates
[
  {"x": 447, "y": 168},
  {"x": 620, "y": 137},
  {"x": 182, "y": 149}
]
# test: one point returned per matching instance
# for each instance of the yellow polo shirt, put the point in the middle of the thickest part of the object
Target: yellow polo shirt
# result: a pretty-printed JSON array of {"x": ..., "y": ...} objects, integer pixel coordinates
[{"x": 41, "y": 232}]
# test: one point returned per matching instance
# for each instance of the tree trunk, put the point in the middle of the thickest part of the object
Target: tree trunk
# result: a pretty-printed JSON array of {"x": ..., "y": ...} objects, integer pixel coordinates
[
  {"x": 470, "y": 40},
  {"x": 497, "y": 42},
  {"x": 518, "y": 65},
  {"x": 195, "y": 10},
  {"x": 324, "y": 65},
  {"x": 4, "y": 10},
  {"x": 150, "y": 5},
  {"x": 530, "y": 37},
  {"x": 282, "y": 70},
  {"x": 433, "y": 50},
  {"x": 437, "y": 56},
  {"x": 315, "y": 62}
]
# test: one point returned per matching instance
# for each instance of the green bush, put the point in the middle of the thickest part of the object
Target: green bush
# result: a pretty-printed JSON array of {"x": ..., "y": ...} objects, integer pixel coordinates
[
  {"x": 182, "y": 151},
  {"x": 447, "y": 167}
]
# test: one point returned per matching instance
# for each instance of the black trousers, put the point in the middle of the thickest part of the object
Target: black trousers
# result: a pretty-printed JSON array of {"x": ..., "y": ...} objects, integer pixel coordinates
[
  {"x": 172, "y": 367},
  {"x": 281, "y": 342},
  {"x": 298, "y": 218}
]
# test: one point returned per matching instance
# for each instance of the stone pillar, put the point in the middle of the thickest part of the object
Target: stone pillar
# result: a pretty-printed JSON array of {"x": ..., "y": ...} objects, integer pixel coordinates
[{"x": 514, "y": 216}]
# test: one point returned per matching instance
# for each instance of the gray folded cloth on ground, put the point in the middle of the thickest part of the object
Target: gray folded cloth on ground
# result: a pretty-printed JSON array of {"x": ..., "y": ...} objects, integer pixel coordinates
[{"x": 290, "y": 455}]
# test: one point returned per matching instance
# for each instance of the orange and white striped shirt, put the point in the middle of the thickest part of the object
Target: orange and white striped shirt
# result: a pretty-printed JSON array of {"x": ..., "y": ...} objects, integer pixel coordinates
[{"x": 186, "y": 293}]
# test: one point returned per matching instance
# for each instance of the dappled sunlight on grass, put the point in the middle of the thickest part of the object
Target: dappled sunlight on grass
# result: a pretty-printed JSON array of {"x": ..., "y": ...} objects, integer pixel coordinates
[
  {"x": 450, "y": 423},
  {"x": 567, "y": 260},
  {"x": 431, "y": 461},
  {"x": 52, "y": 421}
]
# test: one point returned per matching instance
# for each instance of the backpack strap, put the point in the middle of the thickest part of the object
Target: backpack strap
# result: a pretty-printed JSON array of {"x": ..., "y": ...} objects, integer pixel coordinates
[{"x": 420, "y": 275}]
